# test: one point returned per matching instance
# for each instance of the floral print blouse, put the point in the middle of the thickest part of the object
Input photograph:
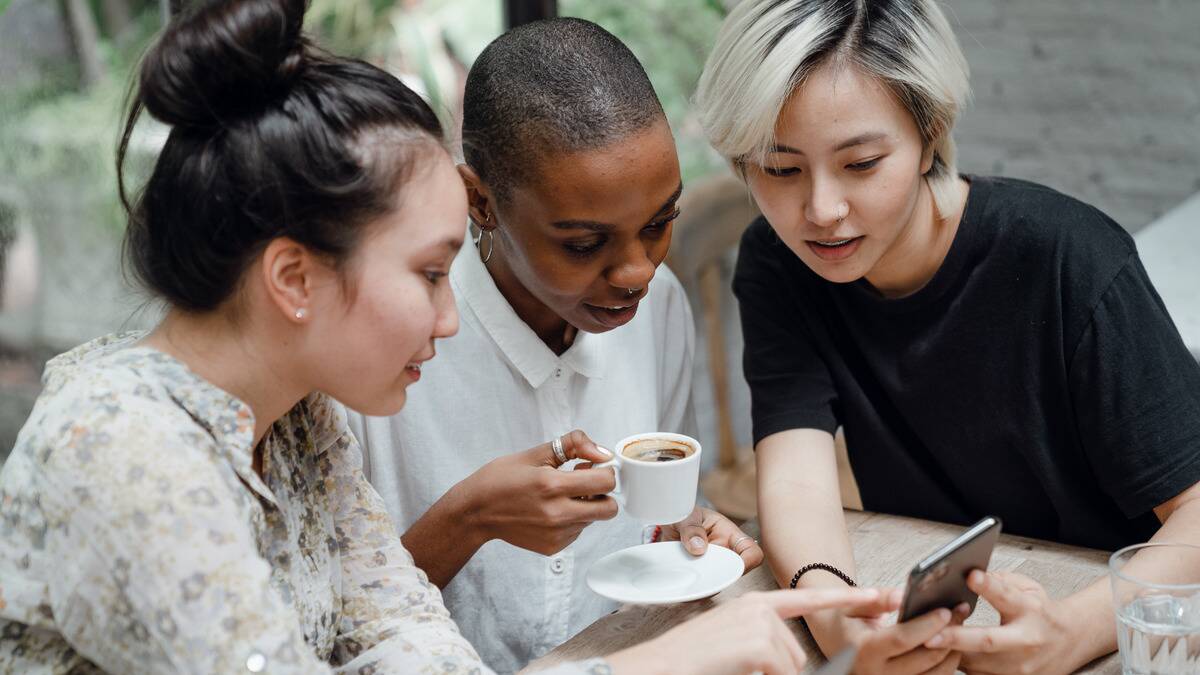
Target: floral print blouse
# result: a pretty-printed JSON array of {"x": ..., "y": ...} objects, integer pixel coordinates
[{"x": 136, "y": 537}]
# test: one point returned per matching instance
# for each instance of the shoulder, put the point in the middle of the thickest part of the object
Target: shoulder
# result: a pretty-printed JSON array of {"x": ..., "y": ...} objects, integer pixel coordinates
[
  {"x": 758, "y": 238},
  {"x": 765, "y": 263},
  {"x": 666, "y": 305},
  {"x": 111, "y": 442},
  {"x": 762, "y": 252},
  {"x": 1042, "y": 218},
  {"x": 666, "y": 293},
  {"x": 327, "y": 419}
]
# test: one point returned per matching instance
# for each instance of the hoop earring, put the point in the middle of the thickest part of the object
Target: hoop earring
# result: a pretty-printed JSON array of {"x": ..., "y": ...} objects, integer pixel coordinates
[
  {"x": 491, "y": 245},
  {"x": 490, "y": 237}
]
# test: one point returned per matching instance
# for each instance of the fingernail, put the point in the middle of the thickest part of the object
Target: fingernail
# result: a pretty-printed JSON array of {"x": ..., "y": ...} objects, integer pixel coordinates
[
  {"x": 943, "y": 614},
  {"x": 696, "y": 543},
  {"x": 604, "y": 451},
  {"x": 935, "y": 641}
]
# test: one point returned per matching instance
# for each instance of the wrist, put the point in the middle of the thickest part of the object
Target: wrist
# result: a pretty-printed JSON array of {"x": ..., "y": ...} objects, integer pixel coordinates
[
  {"x": 831, "y": 628},
  {"x": 461, "y": 512},
  {"x": 1085, "y": 641}
]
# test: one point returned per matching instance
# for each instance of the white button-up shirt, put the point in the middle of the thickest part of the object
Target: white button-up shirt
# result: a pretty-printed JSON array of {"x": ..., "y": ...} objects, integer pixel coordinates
[{"x": 496, "y": 388}]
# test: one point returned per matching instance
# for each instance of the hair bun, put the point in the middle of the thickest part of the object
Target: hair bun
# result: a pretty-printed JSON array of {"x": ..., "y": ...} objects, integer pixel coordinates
[{"x": 223, "y": 59}]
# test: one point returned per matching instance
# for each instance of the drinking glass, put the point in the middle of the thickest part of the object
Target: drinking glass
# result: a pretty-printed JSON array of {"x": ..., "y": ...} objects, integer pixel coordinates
[{"x": 1158, "y": 613}]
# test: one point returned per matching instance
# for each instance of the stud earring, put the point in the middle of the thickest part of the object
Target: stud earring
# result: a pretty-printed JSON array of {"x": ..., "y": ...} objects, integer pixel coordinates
[{"x": 301, "y": 314}]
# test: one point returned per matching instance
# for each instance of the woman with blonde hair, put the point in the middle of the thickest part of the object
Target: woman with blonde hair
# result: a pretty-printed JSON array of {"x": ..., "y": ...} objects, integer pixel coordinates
[{"x": 990, "y": 346}]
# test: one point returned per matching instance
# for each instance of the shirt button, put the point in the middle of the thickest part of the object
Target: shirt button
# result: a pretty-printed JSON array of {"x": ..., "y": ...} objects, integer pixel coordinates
[
  {"x": 558, "y": 372},
  {"x": 256, "y": 662},
  {"x": 557, "y": 566}
]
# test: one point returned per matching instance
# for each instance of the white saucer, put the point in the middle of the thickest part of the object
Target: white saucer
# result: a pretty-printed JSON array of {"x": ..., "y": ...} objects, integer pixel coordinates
[{"x": 663, "y": 573}]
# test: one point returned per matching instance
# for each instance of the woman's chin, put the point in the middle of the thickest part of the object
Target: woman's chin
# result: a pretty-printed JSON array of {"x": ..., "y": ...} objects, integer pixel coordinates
[
  {"x": 385, "y": 405},
  {"x": 836, "y": 273}
]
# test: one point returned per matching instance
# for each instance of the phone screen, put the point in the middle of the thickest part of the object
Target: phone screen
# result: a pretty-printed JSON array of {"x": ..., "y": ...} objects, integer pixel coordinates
[{"x": 940, "y": 580}]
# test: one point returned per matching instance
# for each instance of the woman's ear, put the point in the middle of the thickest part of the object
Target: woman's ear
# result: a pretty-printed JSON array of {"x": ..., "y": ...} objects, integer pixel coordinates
[
  {"x": 480, "y": 204},
  {"x": 289, "y": 274},
  {"x": 927, "y": 156}
]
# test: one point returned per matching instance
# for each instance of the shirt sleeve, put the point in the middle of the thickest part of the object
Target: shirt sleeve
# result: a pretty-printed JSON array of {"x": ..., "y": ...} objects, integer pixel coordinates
[
  {"x": 1136, "y": 393},
  {"x": 790, "y": 385},
  {"x": 393, "y": 620},
  {"x": 156, "y": 564}
]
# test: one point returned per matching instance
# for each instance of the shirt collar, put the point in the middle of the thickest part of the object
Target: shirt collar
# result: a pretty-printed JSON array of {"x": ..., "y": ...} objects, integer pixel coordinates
[
  {"x": 519, "y": 344},
  {"x": 226, "y": 418}
]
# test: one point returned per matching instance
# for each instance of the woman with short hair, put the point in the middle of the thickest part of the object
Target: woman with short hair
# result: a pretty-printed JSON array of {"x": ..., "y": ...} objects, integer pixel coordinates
[
  {"x": 989, "y": 345},
  {"x": 572, "y": 328}
]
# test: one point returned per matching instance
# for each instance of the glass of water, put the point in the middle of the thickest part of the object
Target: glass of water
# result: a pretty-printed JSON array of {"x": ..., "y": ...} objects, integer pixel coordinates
[{"x": 1158, "y": 612}]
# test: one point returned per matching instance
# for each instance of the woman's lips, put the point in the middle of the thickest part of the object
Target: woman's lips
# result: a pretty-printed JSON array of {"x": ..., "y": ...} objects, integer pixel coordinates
[
  {"x": 613, "y": 315},
  {"x": 834, "y": 249},
  {"x": 414, "y": 371}
]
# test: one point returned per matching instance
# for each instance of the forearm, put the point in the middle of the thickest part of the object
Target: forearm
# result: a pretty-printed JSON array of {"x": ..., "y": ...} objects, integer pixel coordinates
[
  {"x": 443, "y": 540},
  {"x": 802, "y": 522},
  {"x": 1097, "y": 633}
]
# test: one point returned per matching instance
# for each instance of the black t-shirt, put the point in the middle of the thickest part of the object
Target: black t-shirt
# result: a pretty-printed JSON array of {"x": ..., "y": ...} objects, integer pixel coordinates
[{"x": 1037, "y": 377}]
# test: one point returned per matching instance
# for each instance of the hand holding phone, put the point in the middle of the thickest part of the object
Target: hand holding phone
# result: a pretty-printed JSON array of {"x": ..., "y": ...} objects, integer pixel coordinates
[{"x": 940, "y": 580}]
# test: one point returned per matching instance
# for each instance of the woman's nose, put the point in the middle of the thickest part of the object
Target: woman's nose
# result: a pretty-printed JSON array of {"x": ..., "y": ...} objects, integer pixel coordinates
[
  {"x": 826, "y": 206},
  {"x": 635, "y": 271}
]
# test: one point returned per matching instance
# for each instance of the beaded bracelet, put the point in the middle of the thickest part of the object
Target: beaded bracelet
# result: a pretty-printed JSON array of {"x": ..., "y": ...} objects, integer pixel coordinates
[{"x": 822, "y": 566}]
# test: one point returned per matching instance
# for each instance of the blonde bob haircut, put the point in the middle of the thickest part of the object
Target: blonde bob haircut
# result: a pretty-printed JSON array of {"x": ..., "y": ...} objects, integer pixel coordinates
[{"x": 767, "y": 48}]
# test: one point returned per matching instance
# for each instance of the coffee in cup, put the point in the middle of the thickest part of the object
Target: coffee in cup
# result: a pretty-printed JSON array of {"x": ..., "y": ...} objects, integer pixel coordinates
[
  {"x": 657, "y": 474},
  {"x": 657, "y": 449}
]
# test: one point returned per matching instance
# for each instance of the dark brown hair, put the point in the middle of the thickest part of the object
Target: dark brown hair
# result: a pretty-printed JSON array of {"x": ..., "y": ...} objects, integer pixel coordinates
[{"x": 270, "y": 137}]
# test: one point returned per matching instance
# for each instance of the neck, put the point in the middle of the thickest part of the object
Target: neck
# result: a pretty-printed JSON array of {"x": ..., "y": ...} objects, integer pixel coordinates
[
  {"x": 921, "y": 248},
  {"x": 238, "y": 362},
  {"x": 550, "y": 328}
]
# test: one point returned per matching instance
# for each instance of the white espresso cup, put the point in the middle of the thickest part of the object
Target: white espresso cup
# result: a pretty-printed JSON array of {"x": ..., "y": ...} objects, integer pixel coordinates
[{"x": 651, "y": 489}]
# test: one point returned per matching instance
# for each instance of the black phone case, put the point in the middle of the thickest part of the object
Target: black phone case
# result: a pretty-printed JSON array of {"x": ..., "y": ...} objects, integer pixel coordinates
[{"x": 941, "y": 579}]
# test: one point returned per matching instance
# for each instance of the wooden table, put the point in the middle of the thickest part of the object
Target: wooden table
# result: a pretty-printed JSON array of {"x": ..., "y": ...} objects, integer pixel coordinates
[{"x": 885, "y": 548}]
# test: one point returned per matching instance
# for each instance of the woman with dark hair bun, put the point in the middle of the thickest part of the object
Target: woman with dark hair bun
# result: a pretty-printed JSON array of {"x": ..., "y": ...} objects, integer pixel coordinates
[{"x": 191, "y": 500}]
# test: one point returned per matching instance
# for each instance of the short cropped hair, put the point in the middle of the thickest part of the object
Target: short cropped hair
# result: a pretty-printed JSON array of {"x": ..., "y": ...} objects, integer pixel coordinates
[
  {"x": 560, "y": 85},
  {"x": 766, "y": 49}
]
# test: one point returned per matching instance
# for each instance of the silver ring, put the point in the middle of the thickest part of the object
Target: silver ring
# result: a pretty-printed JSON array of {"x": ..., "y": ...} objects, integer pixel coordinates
[
  {"x": 556, "y": 446},
  {"x": 733, "y": 545}
]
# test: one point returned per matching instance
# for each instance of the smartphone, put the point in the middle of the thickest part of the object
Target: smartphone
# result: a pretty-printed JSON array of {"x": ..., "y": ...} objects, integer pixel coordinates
[{"x": 940, "y": 580}]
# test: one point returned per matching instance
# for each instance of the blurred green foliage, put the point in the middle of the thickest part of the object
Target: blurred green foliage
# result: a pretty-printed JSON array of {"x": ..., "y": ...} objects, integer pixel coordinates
[
  {"x": 671, "y": 38},
  {"x": 58, "y": 143}
]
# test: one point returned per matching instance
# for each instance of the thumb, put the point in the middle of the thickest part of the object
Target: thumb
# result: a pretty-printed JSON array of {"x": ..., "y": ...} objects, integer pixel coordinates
[{"x": 692, "y": 533}]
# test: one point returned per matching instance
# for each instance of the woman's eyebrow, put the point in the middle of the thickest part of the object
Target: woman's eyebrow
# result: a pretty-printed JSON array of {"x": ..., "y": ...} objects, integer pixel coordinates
[
  {"x": 667, "y": 205},
  {"x": 597, "y": 226},
  {"x": 860, "y": 139}
]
